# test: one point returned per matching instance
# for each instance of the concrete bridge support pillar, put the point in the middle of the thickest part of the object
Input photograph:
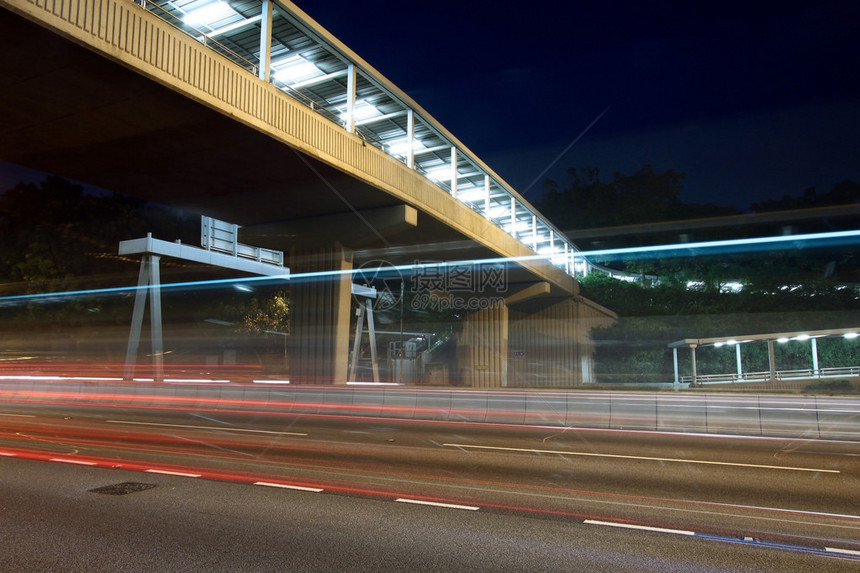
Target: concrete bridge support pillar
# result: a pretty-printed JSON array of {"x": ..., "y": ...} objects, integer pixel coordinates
[
  {"x": 320, "y": 297},
  {"x": 482, "y": 351},
  {"x": 551, "y": 343}
]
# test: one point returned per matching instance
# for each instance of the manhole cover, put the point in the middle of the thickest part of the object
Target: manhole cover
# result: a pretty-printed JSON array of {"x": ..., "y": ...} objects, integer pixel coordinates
[{"x": 123, "y": 488}]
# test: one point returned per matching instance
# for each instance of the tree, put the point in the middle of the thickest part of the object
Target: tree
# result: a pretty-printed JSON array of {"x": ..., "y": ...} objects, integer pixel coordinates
[
  {"x": 646, "y": 196},
  {"x": 843, "y": 193}
]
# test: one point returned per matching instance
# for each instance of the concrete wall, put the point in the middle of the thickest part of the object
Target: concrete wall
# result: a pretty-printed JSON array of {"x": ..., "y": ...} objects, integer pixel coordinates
[
  {"x": 550, "y": 342},
  {"x": 806, "y": 417}
]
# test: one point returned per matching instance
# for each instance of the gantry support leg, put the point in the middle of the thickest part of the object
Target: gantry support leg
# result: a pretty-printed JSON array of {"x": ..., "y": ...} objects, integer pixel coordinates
[
  {"x": 365, "y": 310},
  {"x": 148, "y": 285}
]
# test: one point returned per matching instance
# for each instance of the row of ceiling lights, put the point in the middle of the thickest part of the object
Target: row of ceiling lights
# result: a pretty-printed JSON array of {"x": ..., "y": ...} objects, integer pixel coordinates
[{"x": 295, "y": 71}]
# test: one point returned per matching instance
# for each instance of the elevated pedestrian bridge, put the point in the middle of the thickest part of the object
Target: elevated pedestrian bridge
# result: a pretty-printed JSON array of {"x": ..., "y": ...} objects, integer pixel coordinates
[{"x": 251, "y": 112}]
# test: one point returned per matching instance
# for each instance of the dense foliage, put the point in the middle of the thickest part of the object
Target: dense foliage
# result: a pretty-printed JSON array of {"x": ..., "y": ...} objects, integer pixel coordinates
[
  {"x": 57, "y": 238},
  {"x": 787, "y": 287}
]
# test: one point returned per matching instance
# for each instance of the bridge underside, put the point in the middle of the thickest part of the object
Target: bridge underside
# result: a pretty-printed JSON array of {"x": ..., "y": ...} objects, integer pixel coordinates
[
  {"x": 67, "y": 110},
  {"x": 71, "y": 112}
]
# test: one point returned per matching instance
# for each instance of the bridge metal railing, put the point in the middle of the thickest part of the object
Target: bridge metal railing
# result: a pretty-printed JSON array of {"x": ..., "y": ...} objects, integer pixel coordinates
[
  {"x": 389, "y": 120},
  {"x": 780, "y": 375},
  {"x": 382, "y": 115}
]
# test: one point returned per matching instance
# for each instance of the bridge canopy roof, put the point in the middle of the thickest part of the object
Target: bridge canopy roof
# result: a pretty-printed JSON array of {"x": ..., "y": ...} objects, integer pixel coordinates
[
  {"x": 310, "y": 64},
  {"x": 778, "y": 336}
]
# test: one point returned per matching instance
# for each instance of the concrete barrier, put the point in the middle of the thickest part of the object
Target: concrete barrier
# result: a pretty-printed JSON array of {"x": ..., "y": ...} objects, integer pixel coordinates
[
  {"x": 589, "y": 410},
  {"x": 505, "y": 407},
  {"x": 681, "y": 413},
  {"x": 796, "y": 417},
  {"x": 733, "y": 415},
  {"x": 630, "y": 411},
  {"x": 464, "y": 405},
  {"x": 804, "y": 417},
  {"x": 399, "y": 403},
  {"x": 546, "y": 409}
]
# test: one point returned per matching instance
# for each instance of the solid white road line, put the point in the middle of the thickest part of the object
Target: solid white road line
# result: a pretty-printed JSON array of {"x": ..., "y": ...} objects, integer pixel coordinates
[
  {"x": 170, "y": 473},
  {"x": 287, "y": 486},
  {"x": 221, "y": 429},
  {"x": 618, "y": 456},
  {"x": 640, "y": 527},
  {"x": 437, "y": 504}
]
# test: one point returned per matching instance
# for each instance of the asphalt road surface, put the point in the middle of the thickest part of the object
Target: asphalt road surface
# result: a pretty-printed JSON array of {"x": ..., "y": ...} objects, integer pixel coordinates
[{"x": 257, "y": 492}]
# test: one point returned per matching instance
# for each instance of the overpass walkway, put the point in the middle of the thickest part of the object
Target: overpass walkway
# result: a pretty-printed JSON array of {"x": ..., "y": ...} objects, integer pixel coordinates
[
  {"x": 251, "y": 112},
  {"x": 269, "y": 65}
]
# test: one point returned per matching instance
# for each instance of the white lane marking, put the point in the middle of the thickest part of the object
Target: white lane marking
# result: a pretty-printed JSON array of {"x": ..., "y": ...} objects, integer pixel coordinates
[
  {"x": 618, "y": 456},
  {"x": 221, "y": 429},
  {"x": 18, "y": 415},
  {"x": 842, "y": 551},
  {"x": 78, "y": 462},
  {"x": 8, "y": 454},
  {"x": 438, "y": 504},
  {"x": 170, "y": 473},
  {"x": 640, "y": 527},
  {"x": 287, "y": 486}
]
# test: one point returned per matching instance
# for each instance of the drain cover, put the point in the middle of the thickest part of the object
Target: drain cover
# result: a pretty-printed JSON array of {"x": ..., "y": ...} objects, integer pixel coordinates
[{"x": 123, "y": 488}]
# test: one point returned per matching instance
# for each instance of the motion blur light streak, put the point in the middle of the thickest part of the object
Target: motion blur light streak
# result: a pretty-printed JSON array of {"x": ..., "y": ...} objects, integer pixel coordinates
[
  {"x": 353, "y": 456},
  {"x": 683, "y": 249},
  {"x": 643, "y": 458},
  {"x": 735, "y": 245}
]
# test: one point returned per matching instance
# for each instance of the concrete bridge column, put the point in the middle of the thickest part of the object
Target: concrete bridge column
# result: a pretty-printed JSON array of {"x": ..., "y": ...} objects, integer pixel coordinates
[
  {"x": 551, "y": 343},
  {"x": 482, "y": 350},
  {"x": 320, "y": 298}
]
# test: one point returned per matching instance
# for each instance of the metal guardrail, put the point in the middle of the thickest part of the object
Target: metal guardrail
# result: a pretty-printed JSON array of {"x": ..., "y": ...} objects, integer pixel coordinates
[
  {"x": 749, "y": 377},
  {"x": 820, "y": 373}
]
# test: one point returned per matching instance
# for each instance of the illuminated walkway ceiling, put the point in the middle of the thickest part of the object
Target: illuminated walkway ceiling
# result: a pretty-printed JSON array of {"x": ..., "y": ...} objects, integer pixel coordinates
[
  {"x": 849, "y": 333},
  {"x": 308, "y": 63}
]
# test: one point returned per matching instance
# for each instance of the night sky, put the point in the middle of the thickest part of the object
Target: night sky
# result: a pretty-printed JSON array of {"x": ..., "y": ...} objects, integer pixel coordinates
[{"x": 752, "y": 100}]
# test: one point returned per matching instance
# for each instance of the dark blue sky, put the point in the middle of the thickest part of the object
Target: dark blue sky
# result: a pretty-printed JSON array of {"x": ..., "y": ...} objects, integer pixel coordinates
[{"x": 750, "y": 99}]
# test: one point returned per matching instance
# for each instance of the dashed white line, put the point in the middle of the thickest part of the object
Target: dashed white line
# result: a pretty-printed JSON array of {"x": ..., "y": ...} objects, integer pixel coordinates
[
  {"x": 842, "y": 551},
  {"x": 288, "y": 486},
  {"x": 18, "y": 415},
  {"x": 171, "y": 473},
  {"x": 626, "y": 457},
  {"x": 222, "y": 429},
  {"x": 8, "y": 454},
  {"x": 78, "y": 462},
  {"x": 640, "y": 527},
  {"x": 438, "y": 504}
]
